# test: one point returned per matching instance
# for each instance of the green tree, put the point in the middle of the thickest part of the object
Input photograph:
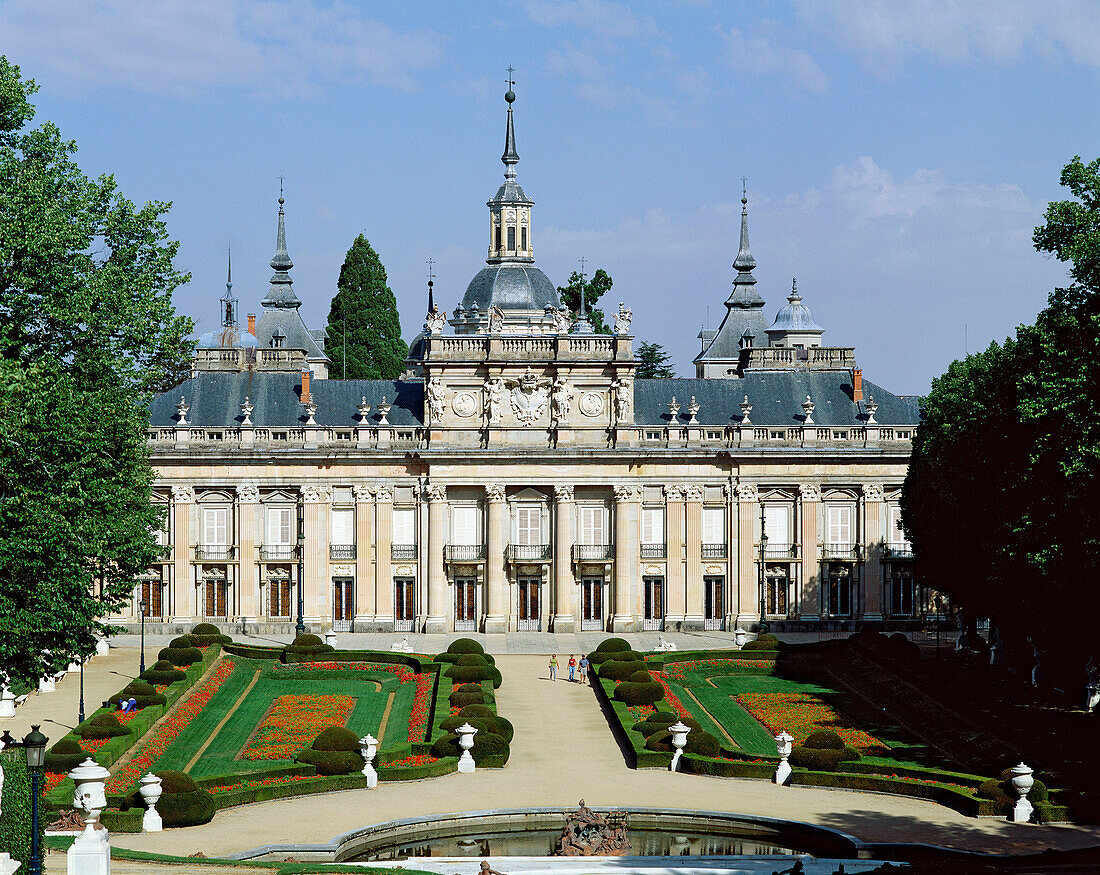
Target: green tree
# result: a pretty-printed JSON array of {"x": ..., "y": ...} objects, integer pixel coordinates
[
  {"x": 364, "y": 328},
  {"x": 87, "y": 334},
  {"x": 594, "y": 289},
  {"x": 654, "y": 362}
]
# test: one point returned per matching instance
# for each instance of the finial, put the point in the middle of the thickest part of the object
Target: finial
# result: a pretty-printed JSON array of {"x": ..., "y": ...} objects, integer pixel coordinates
[
  {"x": 794, "y": 296},
  {"x": 280, "y": 194},
  {"x": 229, "y": 275},
  {"x": 431, "y": 285},
  {"x": 510, "y": 95},
  {"x": 510, "y": 156},
  {"x": 744, "y": 261},
  {"x": 744, "y": 191}
]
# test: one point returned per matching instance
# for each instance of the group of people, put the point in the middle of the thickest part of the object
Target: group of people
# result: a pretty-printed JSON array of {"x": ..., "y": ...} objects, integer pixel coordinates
[{"x": 573, "y": 665}]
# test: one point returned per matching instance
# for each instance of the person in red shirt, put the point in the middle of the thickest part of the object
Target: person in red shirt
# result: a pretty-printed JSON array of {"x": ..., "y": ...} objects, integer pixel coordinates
[{"x": 572, "y": 666}]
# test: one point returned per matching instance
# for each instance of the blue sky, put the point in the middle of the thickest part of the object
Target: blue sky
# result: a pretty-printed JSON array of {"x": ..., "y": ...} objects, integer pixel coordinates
[{"x": 899, "y": 152}]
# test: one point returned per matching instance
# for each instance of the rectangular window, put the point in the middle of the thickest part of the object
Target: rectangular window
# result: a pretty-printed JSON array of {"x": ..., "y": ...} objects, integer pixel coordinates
[
  {"x": 280, "y": 530},
  {"x": 838, "y": 528},
  {"x": 528, "y": 524},
  {"x": 511, "y": 237},
  {"x": 498, "y": 236},
  {"x": 894, "y": 532},
  {"x": 714, "y": 525},
  {"x": 654, "y": 435},
  {"x": 523, "y": 237},
  {"x": 215, "y": 526},
  {"x": 464, "y": 525},
  {"x": 343, "y": 527},
  {"x": 777, "y": 524},
  {"x": 592, "y": 524},
  {"x": 653, "y": 525},
  {"x": 404, "y": 526}
]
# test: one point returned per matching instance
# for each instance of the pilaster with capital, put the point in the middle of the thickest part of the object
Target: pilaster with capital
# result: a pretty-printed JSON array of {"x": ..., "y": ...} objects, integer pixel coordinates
[
  {"x": 495, "y": 620},
  {"x": 809, "y": 503},
  {"x": 248, "y": 497},
  {"x": 748, "y": 554},
  {"x": 693, "y": 517},
  {"x": 626, "y": 556},
  {"x": 874, "y": 524},
  {"x": 182, "y": 607},
  {"x": 564, "y": 619},
  {"x": 436, "y": 620},
  {"x": 317, "y": 500},
  {"x": 676, "y": 580},
  {"x": 366, "y": 592},
  {"x": 383, "y": 568}
]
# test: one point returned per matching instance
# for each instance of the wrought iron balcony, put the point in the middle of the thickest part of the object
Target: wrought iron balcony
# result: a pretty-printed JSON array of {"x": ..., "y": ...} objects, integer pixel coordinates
[
  {"x": 215, "y": 552},
  {"x": 841, "y": 551},
  {"x": 653, "y": 551},
  {"x": 593, "y": 552},
  {"x": 527, "y": 553},
  {"x": 897, "y": 550},
  {"x": 464, "y": 553},
  {"x": 403, "y": 552},
  {"x": 341, "y": 552},
  {"x": 714, "y": 551},
  {"x": 780, "y": 551},
  {"x": 278, "y": 552}
]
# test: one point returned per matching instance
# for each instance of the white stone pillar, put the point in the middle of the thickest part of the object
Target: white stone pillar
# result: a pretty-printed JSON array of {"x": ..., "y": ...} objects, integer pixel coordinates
[
  {"x": 693, "y": 509},
  {"x": 748, "y": 554},
  {"x": 436, "y": 620},
  {"x": 495, "y": 620},
  {"x": 383, "y": 555},
  {"x": 183, "y": 590},
  {"x": 318, "y": 603},
  {"x": 626, "y": 546},
  {"x": 248, "y": 498},
  {"x": 367, "y": 615},
  {"x": 563, "y": 548},
  {"x": 675, "y": 584},
  {"x": 874, "y": 511},
  {"x": 809, "y": 604}
]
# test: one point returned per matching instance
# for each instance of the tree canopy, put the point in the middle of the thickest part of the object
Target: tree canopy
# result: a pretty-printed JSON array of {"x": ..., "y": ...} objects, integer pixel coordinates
[
  {"x": 1002, "y": 497},
  {"x": 653, "y": 361},
  {"x": 87, "y": 334},
  {"x": 363, "y": 338},
  {"x": 594, "y": 289}
]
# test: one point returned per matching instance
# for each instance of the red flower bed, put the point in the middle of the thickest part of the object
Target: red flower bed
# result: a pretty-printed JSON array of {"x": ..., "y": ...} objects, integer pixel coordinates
[
  {"x": 52, "y": 780},
  {"x": 403, "y": 673},
  {"x": 419, "y": 759},
  {"x": 678, "y": 670},
  {"x": 800, "y": 714},
  {"x": 640, "y": 712},
  {"x": 293, "y": 722},
  {"x": 262, "y": 782},
  {"x": 670, "y": 696},
  {"x": 91, "y": 745},
  {"x": 422, "y": 700},
  {"x": 143, "y": 760}
]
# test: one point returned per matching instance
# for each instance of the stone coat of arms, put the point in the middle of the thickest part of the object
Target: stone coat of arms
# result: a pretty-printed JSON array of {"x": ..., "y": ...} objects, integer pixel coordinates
[{"x": 530, "y": 396}]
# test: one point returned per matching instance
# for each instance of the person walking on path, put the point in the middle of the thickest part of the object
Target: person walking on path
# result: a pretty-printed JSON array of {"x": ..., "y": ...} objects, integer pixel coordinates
[
  {"x": 554, "y": 667},
  {"x": 584, "y": 669},
  {"x": 572, "y": 667}
]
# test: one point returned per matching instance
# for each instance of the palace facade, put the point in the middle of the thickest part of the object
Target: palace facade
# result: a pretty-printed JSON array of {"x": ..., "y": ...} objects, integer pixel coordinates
[{"x": 521, "y": 476}]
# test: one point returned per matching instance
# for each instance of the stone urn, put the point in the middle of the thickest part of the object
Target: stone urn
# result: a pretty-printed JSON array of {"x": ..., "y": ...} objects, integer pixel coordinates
[
  {"x": 679, "y": 739},
  {"x": 330, "y": 638},
  {"x": 740, "y": 636},
  {"x": 90, "y": 853},
  {"x": 783, "y": 743},
  {"x": 1023, "y": 779},
  {"x": 466, "y": 735},
  {"x": 151, "y": 789},
  {"x": 368, "y": 748}
]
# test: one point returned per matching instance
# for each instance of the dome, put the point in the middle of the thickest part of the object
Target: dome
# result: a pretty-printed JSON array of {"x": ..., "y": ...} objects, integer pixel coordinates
[
  {"x": 795, "y": 316},
  {"x": 226, "y": 338},
  {"x": 511, "y": 287}
]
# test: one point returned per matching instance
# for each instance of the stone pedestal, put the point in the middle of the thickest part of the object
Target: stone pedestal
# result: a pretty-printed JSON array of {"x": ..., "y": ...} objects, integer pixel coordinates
[
  {"x": 7, "y": 703},
  {"x": 466, "y": 735},
  {"x": 1022, "y": 782},
  {"x": 368, "y": 747},
  {"x": 8, "y": 866},
  {"x": 90, "y": 854},
  {"x": 150, "y": 790},
  {"x": 47, "y": 685},
  {"x": 783, "y": 743}
]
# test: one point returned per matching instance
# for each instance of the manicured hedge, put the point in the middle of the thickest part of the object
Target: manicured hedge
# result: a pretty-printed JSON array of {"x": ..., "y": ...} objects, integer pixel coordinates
[
  {"x": 307, "y": 645},
  {"x": 463, "y": 674},
  {"x": 724, "y": 768},
  {"x": 640, "y": 692},
  {"x": 143, "y": 693},
  {"x": 460, "y": 699},
  {"x": 101, "y": 725},
  {"x": 766, "y": 641},
  {"x": 205, "y": 634},
  {"x": 824, "y": 739},
  {"x": 642, "y": 758},
  {"x": 698, "y": 742},
  {"x": 183, "y": 803},
  {"x": 253, "y": 651},
  {"x": 180, "y": 656},
  {"x": 615, "y": 670},
  {"x": 379, "y": 656},
  {"x": 335, "y": 751},
  {"x": 489, "y": 748},
  {"x": 15, "y": 825},
  {"x": 497, "y": 725},
  {"x": 612, "y": 645},
  {"x": 465, "y": 645},
  {"x": 163, "y": 673}
]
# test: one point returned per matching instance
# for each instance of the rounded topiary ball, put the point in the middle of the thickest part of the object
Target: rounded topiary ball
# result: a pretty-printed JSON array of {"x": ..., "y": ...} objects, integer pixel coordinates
[
  {"x": 103, "y": 725},
  {"x": 824, "y": 739},
  {"x": 473, "y": 687},
  {"x": 182, "y": 802},
  {"x": 336, "y": 738},
  {"x": 163, "y": 672},
  {"x": 639, "y": 693},
  {"x": 485, "y": 745},
  {"x": 657, "y": 721},
  {"x": 332, "y": 762},
  {"x": 614, "y": 670},
  {"x": 461, "y": 700},
  {"x": 180, "y": 656},
  {"x": 477, "y": 711},
  {"x": 495, "y": 725},
  {"x": 65, "y": 756},
  {"x": 627, "y": 656},
  {"x": 472, "y": 659},
  {"x": 767, "y": 641},
  {"x": 465, "y": 645},
  {"x": 466, "y": 673},
  {"x": 181, "y": 642},
  {"x": 597, "y": 658},
  {"x": 612, "y": 645},
  {"x": 205, "y": 629},
  {"x": 641, "y": 677},
  {"x": 306, "y": 640},
  {"x": 817, "y": 759}
]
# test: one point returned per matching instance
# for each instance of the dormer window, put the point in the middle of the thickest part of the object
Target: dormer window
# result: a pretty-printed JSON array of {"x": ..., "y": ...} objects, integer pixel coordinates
[{"x": 278, "y": 340}]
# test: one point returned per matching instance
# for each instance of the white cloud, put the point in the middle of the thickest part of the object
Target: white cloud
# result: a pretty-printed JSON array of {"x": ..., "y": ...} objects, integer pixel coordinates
[
  {"x": 760, "y": 55},
  {"x": 609, "y": 19},
  {"x": 883, "y": 34},
  {"x": 282, "y": 47}
]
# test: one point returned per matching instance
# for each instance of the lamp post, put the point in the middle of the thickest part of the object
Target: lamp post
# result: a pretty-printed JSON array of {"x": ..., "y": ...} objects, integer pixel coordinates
[
  {"x": 763, "y": 583},
  {"x": 144, "y": 606},
  {"x": 939, "y": 607},
  {"x": 34, "y": 748},
  {"x": 80, "y": 707},
  {"x": 300, "y": 627}
]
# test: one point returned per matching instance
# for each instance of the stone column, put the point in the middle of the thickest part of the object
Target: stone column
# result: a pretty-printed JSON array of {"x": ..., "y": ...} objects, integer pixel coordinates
[
  {"x": 383, "y": 570},
  {"x": 495, "y": 621},
  {"x": 626, "y": 553},
  {"x": 248, "y": 497},
  {"x": 874, "y": 509},
  {"x": 436, "y": 620},
  {"x": 317, "y": 606},
  {"x": 809, "y": 605},
  {"x": 693, "y": 509},
  {"x": 183, "y": 587},
  {"x": 366, "y": 591},
  {"x": 675, "y": 584},
  {"x": 748, "y": 555},
  {"x": 564, "y": 620}
]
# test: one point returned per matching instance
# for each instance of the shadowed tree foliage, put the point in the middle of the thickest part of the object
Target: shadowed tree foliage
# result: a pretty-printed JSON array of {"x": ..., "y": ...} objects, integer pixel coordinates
[
  {"x": 364, "y": 328},
  {"x": 1002, "y": 496},
  {"x": 653, "y": 362},
  {"x": 87, "y": 334},
  {"x": 594, "y": 289}
]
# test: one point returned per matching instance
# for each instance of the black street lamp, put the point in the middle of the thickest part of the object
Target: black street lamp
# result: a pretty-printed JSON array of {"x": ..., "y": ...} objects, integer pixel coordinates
[
  {"x": 763, "y": 583},
  {"x": 144, "y": 605},
  {"x": 80, "y": 710},
  {"x": 300, "y": 627},
  {"x": 34, "y": 748}
]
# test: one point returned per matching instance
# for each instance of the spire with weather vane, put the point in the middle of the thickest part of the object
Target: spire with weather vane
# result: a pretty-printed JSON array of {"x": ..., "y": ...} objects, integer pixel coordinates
[{"x": 281, "y": 293}]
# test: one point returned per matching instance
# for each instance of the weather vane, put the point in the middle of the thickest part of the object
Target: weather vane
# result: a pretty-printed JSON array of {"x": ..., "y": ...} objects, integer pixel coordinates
[
  {"x": 431, "y": 276},
  {"x": 744, "y": 187},
  {"x": 511, "y": 81}
]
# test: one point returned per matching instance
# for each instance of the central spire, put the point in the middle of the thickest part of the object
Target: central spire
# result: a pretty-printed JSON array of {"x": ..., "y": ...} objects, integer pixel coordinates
[
  {"x": 744, "y": 292},
  {"x": 510, "y": 156},
  {"x": 510, "y": 208},
  {"x": 281, "y": 293}
]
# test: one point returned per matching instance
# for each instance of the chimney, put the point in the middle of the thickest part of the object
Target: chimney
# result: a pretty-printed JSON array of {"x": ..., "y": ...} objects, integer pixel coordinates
[
  {"x": 306, "y": 397},
  {"x": 857, "y": 384},
  {"x": 252, "y": 324}
]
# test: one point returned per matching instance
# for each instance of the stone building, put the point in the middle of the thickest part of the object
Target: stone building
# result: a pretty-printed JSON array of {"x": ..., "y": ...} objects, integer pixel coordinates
[{"x": 520, "y": 476}]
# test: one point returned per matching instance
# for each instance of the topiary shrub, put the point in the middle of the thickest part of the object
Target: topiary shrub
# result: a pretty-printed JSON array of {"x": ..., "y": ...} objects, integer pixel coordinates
[
  {"x": 899, "y": 647},
  {"x": 495, "y": 725},
  {"x": 816, "y": 759},
  {"x": 767, "y": 641},
  {"x": 824, "y": 739},
  {"x": 467, "y": 688},
  {"x": 182, "y": 641},
  {"x": 335, "y": 751},
  {"x": 162, "y": 672},
  {"x": 488, "y": 745},
  {"x": 613, "y": 670},
  {"x": 205, "y": 629},
  {"x": 1002, "y": 790},
  {"x": 639, "y": 693},
  {"x": 307, "y": 639},
  {"x": 180, "y": 656},
  {"x": 627, "y": 656},
  {"x": 336, "y": 738},
  {"x": 472, "y": 659},
  {"x": 308, "y": 645},
  {"x": 103, "y": 725},
  {"x": 654, "y": 722},
  {"x": 463, "y": 674},
  {"x": 611, "y": 645},
  {"x": 182, "y": 802},
  {"x": 477, "y": 711},
  {"x": 851, "y": 754},
  {"x": 460, "y": 700},
  {"x": 65, "y": 756},
  {"x": 465, "y": 645},
  {"x": 143, "y": 693},
  {"x": 641, "y": 677},
  {"x": 698, "y": 742},
  {"x": 597, "y": 658}
]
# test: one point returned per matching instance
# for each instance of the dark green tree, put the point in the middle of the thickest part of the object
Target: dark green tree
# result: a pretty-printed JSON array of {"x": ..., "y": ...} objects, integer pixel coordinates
[
  {"x": 364, "y": 328},
  {"x": 594, "y": 289},
  {"x": 653, "y": 362},
  {"x": 87, "y": 334}
]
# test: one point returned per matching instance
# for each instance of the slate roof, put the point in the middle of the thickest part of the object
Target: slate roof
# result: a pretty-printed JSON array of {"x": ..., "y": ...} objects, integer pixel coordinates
[
  {"x": 776, "y": 398},
  {"x": 289, "y": 321},
  {"x": 215, "y": 399},
  {"x": 511, "y": 287}
]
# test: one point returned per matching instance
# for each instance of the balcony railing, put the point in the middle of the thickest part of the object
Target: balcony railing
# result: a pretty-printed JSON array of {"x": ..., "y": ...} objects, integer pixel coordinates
[
  {"x": 278, "y": 552},
  {"x": 714, "y": 551},
  {"x": 404, "y": 552},
  {"x": 840, "y": 551},
  {"x": 464, "y": 552},
  {"x": 215, "y": 552},
  {"x": 593, "y": 552},
  {"x": 341, "y": 552},
  {"x": 780, "y": 551},
  {"x": 897, "y": 550},
  {"x": 653, "y": 551},
  {"x": 527, "y": 553}
]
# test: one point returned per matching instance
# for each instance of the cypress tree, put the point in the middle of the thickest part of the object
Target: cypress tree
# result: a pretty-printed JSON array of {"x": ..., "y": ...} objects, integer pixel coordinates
[{"x": 364, "y": 327}]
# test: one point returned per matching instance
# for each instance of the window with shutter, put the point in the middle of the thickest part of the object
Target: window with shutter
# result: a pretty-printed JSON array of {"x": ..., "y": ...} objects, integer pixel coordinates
[
  {"x": 838, "y": 524},
  {"x": 404, "y": 527},
  {"x": 714, "y": 525},
  {"x": 464, "y": 525},
  {"x": 215, "y": 526},
  {"x": 592, "y": 524},
  {"x": 280, "y": 526},
  {"x": 528, "y": 524},
  {"x": 343, "y": 527},
  {"x": 777, "y": 523},
  {"x": 653, "y": 525},
  {"x": 894, "y": 532}
]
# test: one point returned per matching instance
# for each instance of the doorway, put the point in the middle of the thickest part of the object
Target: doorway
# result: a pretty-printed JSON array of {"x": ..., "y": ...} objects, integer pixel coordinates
[{"x": 528, "y": 618}]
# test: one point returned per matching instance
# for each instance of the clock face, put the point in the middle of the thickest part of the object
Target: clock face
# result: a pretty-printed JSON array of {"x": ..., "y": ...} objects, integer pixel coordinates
[
  {"x": 591, "y": 404},
  {"x": 464, "y": 404}
]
